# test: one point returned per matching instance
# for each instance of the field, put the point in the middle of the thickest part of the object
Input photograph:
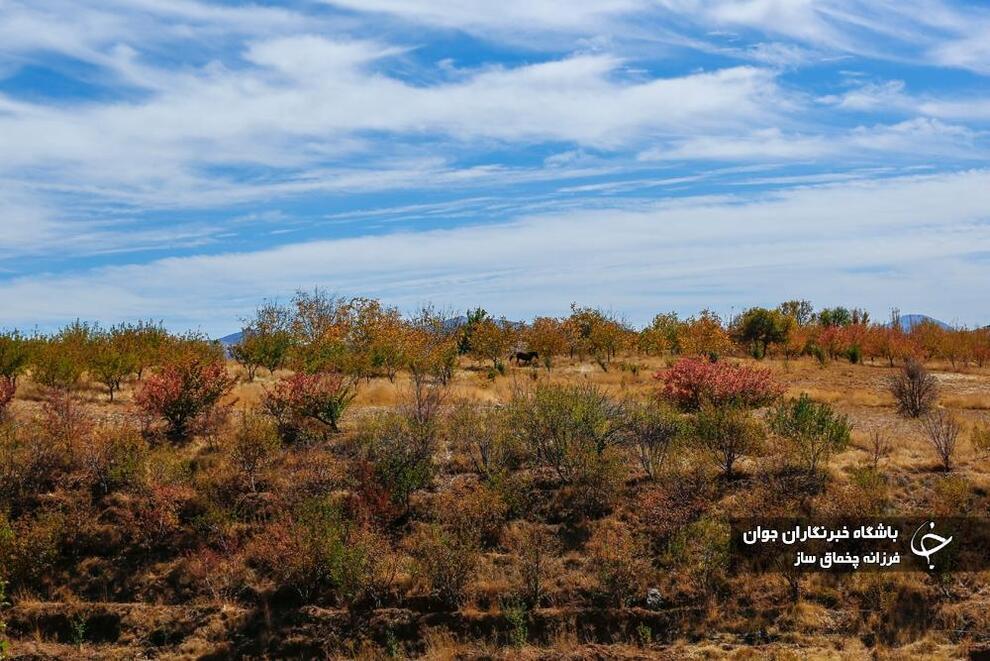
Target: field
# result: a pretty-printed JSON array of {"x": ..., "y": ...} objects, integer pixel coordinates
[{"x": 124, "y": 543}]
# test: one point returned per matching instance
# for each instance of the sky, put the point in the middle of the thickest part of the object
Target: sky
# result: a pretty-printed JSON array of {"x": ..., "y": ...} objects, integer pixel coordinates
[{"x": 184, "y": 160}]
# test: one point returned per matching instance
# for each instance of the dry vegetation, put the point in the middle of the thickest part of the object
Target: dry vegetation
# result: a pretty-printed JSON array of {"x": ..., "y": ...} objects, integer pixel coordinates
[{"x": 361, "y": 485}]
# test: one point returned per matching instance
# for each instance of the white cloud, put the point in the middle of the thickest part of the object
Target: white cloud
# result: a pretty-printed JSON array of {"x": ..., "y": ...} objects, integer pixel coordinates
[{"x": 823, "y": 242}]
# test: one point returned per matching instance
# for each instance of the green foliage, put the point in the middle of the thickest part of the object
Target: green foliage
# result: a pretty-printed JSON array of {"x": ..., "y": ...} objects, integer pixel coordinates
[
  {"x": 15, "y": 354},
  {"x": 446, "y": 561},
  {"x": 655, "y": 430},
  {"x": 517, "y": 616},
  {"x": 700, "y": 552},
  {"x": 801, "y": 311},
  {"x": 567, "y": 427},
  {"x": 759, "y": 328},
  {"x": 813, "y": 430},
  {"x": 727, "y": 433}
]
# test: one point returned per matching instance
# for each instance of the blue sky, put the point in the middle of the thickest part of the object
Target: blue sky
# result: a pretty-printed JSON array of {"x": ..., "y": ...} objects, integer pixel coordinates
[{"x": 183, "y": 160}]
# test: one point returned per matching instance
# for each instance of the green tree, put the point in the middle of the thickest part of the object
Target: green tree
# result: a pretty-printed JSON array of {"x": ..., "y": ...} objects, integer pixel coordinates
[
  {"x": 760, "y": 327},
  {"x": 813, "y": 429}
]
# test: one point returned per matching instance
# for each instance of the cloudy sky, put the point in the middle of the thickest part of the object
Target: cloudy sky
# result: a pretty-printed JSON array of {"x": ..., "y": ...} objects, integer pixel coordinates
[{"x": 183, "y": 160}]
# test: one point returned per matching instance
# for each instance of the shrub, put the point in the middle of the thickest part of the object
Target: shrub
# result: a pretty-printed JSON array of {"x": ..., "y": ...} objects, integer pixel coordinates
[
  {"x": 914, "y": 390},
  {"x": 942, "y": 430},
  {"x": 253, "y": 447},
  {"x": 482, "y": 433},
  {"x": 7, "y": 389},
  {"x": 727, "y": 433},
  {"x": 700, "y": 552},
  {"x": 395, "y": 460},
  {"x": 813, "y": 430},
  {"x": 534, "y": 550},
  {"x": 446, "y": 561},
  {"x": 620, "y": 562},
  {"x": 477, "y": 514},
  {"x": 980, "y": 438},
  {"x": 320, "y": 549},
  {"x": 567, "y": 428},
  {"x": 181, "y": 393},
  {"x": 14, "y": 355},
  {"x": 655, "y": 431},
  {"x": 691, "y": 382},
  {"x": 112, "y": 459},
  {"x": 300, "y": 401}
]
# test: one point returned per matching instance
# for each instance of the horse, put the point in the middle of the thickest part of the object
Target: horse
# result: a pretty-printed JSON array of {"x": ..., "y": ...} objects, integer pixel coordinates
[{"x": 524, "y": 357}]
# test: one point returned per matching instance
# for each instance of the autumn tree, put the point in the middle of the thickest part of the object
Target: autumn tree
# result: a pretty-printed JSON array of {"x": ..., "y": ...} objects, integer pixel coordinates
[
  {"x": 547, "y": 337},
  {"x": 597, "y": 333},
  {"x": 377, "y": 338},
  {"x": 727, "y": 433},
  {"x": 704, "y": 335},
  {"x": 491, "y": 340},
  {"x": 109, "y": 358},
  {"x": 266, "y": 340},
  {"x": 183, "y": 392},
  {"x": 319, "y": 330},
  {"x": 661, "y": 336}
]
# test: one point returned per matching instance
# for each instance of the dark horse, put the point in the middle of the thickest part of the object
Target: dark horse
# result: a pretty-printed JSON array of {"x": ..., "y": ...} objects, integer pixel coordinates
[{"x": 525, "y": 357}]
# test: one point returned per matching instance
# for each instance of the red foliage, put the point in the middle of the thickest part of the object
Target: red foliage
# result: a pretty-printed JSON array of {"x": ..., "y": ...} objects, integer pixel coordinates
[
  {"x": 7, "y": 389},
  {"x": 690, "y": 382},
  {"x": 300, "y": 398},
  {"x": 181, "y": 393}
]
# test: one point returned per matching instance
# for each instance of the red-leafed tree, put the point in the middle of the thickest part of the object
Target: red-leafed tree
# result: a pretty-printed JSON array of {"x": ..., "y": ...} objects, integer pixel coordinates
[
  {"x": 692, "y": 382},
  {"x": 182, "y": 393}
]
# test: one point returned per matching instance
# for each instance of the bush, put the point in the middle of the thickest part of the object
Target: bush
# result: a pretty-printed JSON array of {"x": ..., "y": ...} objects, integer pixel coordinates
[
  {"x": 813, "y": 430},
  {"x": 620, "y": 562},
  {"x": 14, "y": 355},
  {"x": 568, "y": 428},
  {"x": 300, "y": 401},
  {"x": 914, "y": 390},
  {"x": 482, "y": 433},
  {"x": 980, "y": 438},
  {"x": 112, "y": 459},
  {"x": 700, "y": 552},
  {"x": 183, "y": 392},
  {"x": 655, "y": 431},
  {"x": 942, "y": 430},
  {"x": 319, "y": 549},
  {"x": 7, "y": 389},
  {"x": 534, "y": 550},
  {"x": 253, "y": 447},
  {"x": 692, "y": 382},
  {"x": 477, "y": 514},
  {"x": 727, "y": 433},
  {"x": 395, "y": 459},
  {"x": 446, "y": 561}
]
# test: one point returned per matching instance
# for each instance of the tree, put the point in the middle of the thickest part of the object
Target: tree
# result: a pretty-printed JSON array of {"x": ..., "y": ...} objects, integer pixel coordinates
[
  {"x": 801, "y": 311},
  {"x": 490, "y": 340},
  {"x": 14, "y": 355},
  {"x": 703, "y": 335},
  {"x": 182, "y": 393},
  {"x": 597, "y": 333},
  {"x": 727, "y": 433},
  {"x": 914, "y": 390},
  {"x": 265, "y": 341},
  {"x": 655, "y": 431},
  {"x": 942, "y": 430},
  {"x": 760, "y": 328},
  {"x": 661, "y": 336},
  {"x": 547, "y": 337},
  {"x": 110, "y": 360},
  {"x": 813, "y": 429}
]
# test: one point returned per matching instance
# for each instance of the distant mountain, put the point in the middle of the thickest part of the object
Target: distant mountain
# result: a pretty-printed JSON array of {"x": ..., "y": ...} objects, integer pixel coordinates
[
  {"x": 909, "y": 321},
  {"x": 232, "y": 339}
]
